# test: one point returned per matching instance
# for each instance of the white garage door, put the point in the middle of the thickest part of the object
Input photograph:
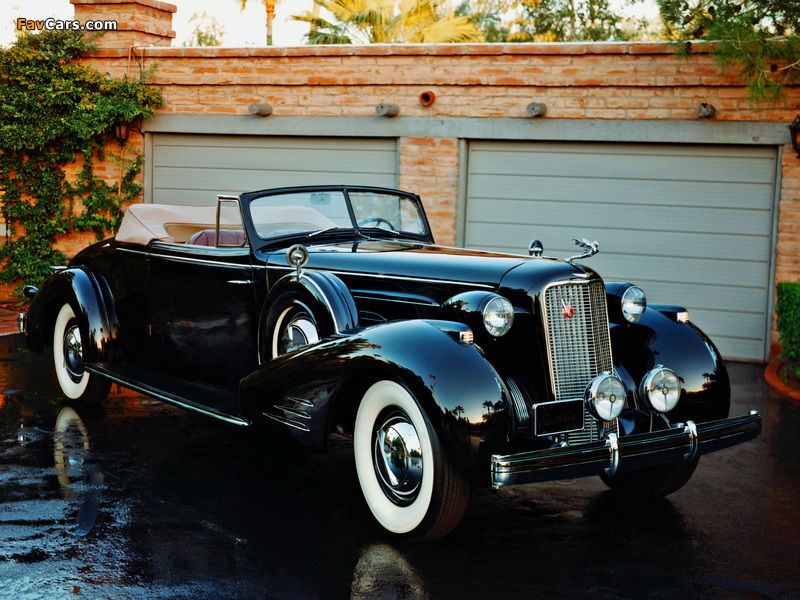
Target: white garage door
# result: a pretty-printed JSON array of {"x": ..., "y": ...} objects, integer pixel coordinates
[
  {"x": 193, "y": 169},
  {"x": 690, "y": 224}
]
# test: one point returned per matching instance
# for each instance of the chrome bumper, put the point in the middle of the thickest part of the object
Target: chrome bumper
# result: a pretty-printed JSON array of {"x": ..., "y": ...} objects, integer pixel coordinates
[{"x": 616, "y": 454}]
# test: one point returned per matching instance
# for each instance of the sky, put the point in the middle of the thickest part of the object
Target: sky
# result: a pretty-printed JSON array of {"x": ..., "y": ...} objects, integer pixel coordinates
[{"x": 242, "y": 28}]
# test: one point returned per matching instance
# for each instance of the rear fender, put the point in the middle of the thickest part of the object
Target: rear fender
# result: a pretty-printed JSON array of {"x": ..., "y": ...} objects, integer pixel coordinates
[
  {"x": 93, "y": 304},
  {"x": 458, "y": 390}
]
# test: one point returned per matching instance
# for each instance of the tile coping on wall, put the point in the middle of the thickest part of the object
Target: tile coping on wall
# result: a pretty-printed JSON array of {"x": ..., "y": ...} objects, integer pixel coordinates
[{"x": 553, "y": 48}]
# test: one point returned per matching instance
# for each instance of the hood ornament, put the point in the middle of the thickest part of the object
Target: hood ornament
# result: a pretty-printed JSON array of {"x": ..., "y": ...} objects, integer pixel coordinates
[
  {"x": 589, "y": 249},
  {"x": 297, "y": 256}
]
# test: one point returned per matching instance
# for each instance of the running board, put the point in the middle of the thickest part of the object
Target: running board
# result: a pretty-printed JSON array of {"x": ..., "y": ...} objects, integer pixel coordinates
[{"x": 169, "y": 390}]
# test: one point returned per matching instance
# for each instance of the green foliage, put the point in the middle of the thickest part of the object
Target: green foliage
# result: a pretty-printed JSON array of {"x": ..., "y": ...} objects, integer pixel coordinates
[
  {"x": 387, "y": 21},
  {"x": 759, "y": 39},
  {"x": 787, "y": 308},
  {"x": 553, "y": 20},
  {"x": 55, "y": 111}
]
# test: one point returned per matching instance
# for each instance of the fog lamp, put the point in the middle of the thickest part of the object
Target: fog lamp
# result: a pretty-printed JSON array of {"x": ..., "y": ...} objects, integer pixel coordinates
[
  {"x": 660, "y": 389},
  {"x": 605, "y": 397}
]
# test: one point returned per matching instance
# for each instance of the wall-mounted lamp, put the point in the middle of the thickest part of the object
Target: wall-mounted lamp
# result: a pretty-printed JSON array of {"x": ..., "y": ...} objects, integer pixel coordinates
[
  {"x": 122, "y": 128},
  {"x": 387, "y": 109},
  {"x": 261, "y": 109},
  {"x": 121, "y": 132},
  {"x": 794, "y": 133},
  {"x": 706, "y": 110},
  {"x": 427, "y": 98},
  {"x": 536, "y": 109}
]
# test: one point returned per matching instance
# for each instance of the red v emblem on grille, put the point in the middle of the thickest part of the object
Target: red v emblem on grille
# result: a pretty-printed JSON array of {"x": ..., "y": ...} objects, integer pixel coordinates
[{"x": 568, "y": 310}]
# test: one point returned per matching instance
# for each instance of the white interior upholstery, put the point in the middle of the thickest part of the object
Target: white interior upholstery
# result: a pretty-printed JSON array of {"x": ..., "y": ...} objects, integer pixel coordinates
[
  {"x": 144, "y": 223},
  {"x": 176, "y": 223}
]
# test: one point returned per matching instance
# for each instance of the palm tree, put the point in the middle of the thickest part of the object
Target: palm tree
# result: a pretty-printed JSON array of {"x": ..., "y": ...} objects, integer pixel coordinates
[
  {"x": 386, "y": 21},
  {"x": 270, "y": 6}
]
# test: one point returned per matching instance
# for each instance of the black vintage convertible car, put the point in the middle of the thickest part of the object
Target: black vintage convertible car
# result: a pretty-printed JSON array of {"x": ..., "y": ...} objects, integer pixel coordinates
[{"x": 319, "y": 309}]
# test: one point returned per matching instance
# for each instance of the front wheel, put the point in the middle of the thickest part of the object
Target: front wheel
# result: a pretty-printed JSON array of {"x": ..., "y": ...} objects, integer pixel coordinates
[
  {"x": 407, "y": 480},
  {"x": 68, "y": 356},
  {"x": 653, "y": 482}
]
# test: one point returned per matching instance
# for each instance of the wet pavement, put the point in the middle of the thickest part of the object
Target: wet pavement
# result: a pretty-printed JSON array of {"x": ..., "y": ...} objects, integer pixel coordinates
[{"x": 139, "y": 499}]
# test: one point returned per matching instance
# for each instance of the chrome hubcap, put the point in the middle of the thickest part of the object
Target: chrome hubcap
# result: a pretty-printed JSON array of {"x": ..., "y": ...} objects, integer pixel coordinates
[
  {"x": 398, "y": 458},
  {"x": 73, "y": 353},
  {"x": 299, "y": 332}
]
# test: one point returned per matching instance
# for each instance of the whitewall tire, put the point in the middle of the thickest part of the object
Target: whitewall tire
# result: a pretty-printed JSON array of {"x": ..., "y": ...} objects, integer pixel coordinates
[
  {"x": 68, "y": 356},
  {"x": 407, "y": 480}
]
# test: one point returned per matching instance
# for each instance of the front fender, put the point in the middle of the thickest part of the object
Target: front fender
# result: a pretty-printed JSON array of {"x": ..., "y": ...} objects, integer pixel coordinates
[
  {"x": 659, "y": 339},
  {"x": 458, "y": 390},
  {"x": 93, "y": 304}
]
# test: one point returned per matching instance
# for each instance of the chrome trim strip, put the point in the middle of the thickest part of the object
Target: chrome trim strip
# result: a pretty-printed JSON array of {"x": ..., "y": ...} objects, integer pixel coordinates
[
  {"x": 294, "y": 412},
  {"x": 632, "y": 452},
  {"x": 300, "y": 401},
  {"x": 132, "y": 251},
  {"x": 297, "y": 425},
  {"x": 391, "y": 277},
  {"x": 152, "y": 254},
  {"x": 215, "y": 263},
  {"x": 612, "y": 443},
  {"x": 324, "y": 298},
  {"x": 153, "y": 393},
  {"x": 691, "y": 430}
]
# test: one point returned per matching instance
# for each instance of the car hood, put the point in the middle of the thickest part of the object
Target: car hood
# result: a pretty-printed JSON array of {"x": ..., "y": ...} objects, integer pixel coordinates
[{"x": 392, "y": 258}]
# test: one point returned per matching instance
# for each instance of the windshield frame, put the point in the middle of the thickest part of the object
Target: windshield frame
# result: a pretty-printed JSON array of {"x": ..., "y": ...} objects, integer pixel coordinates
[{"x": 257, "y": 241}]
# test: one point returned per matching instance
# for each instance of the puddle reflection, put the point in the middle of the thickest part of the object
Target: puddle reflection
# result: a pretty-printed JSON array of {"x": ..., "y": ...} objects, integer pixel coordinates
[{"x": 384, "y": 573}]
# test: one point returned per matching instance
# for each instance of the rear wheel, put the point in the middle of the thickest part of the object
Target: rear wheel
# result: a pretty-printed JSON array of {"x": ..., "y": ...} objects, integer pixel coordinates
[
  {"x": 407, "y": 480},
  {"x": 68, "y": 357},
  {"x": 653, "y": 482}
]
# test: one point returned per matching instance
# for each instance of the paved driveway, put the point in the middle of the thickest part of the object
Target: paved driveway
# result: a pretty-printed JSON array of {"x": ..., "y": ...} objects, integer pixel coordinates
[{"x": 139, "y": 499}]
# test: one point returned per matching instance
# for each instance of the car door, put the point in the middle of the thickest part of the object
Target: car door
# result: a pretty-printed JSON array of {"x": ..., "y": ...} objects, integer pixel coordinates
[{"x": 202, "y": 308}]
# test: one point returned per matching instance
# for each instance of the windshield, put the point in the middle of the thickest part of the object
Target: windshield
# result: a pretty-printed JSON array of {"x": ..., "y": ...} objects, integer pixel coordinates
[{"x": 309, "y": 211}]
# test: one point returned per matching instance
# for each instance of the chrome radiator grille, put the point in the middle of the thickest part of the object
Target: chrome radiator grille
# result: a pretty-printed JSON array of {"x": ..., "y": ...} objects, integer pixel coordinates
[{"x": 578, "y": 346}]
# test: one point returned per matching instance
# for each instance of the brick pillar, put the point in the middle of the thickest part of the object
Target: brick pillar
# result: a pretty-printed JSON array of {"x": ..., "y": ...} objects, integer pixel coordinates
[
  {"x": 429, "y": 167},
  {"x": 139, "y": 22}
]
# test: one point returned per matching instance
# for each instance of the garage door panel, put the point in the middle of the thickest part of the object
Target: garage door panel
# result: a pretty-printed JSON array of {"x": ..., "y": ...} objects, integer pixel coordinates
[
  {"x": 283, "y": 159},
  {"x": 623, "y": 191},
  {"x": 633, "y": 216},
  {"x": 691, "y": 167},
  {"x": 621, "y": 241},
  {"x": 251, "y": 179},
  {"x": 193, "y": 169},
  {"x": 691, "y": 224}
]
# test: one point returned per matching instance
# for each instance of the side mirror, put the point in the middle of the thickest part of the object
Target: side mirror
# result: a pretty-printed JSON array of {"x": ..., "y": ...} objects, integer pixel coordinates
[{"x": 536, "y": 249}]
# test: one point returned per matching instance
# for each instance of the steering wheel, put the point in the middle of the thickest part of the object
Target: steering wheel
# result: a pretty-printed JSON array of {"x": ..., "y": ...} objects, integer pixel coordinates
[{"x": 378, "y": 221}]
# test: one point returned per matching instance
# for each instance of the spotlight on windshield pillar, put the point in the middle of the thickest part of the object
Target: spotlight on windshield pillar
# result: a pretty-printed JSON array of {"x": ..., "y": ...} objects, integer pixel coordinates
[
  {"x": 536, "y": 109},
  {"x": 706, "y": 110},
  {"x": 261, "y": 109},
  {"x": 387, "y": 109}
]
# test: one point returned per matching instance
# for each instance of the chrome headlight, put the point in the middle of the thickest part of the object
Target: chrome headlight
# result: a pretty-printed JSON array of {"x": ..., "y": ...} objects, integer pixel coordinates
[
  {"x": 633, "y": 304},
  {"x": 498, "y": 316},
  {"x": 605, "y": 397},
  {"x": 660, "y": 389}
]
